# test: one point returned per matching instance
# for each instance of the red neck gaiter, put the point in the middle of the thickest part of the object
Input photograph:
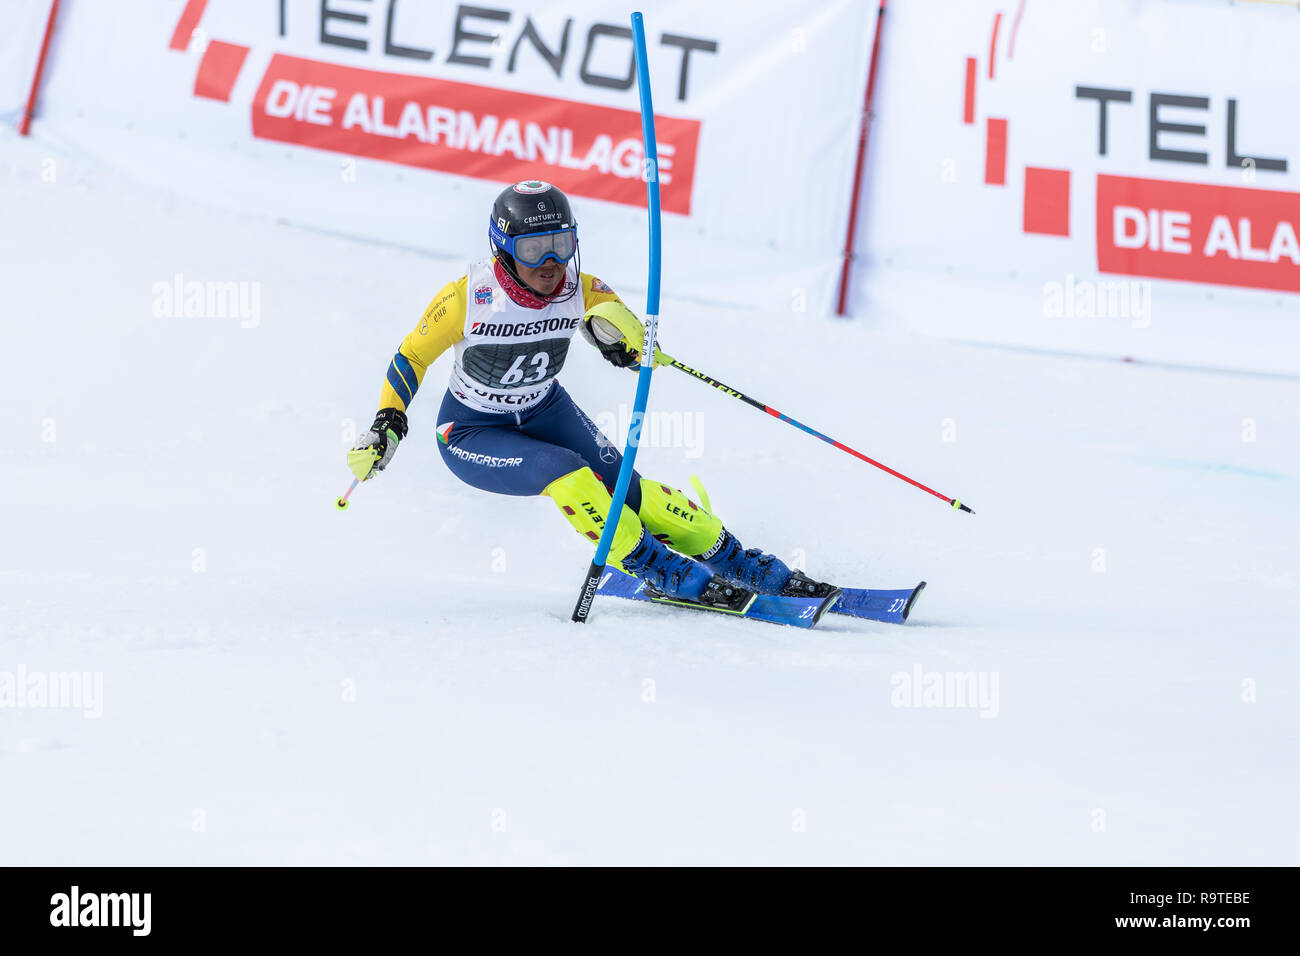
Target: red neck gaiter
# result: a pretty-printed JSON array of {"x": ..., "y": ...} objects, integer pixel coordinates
[{"x": 519, "y": 294}]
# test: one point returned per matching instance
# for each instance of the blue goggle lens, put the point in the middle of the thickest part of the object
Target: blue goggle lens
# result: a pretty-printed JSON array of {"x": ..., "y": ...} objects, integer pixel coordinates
[{"x": 535, "y": 249}]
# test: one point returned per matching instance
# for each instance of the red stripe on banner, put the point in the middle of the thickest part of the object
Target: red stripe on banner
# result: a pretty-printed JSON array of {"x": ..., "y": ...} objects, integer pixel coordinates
[
  {"x": 189, "y": 21},
  {"x": 218, "y": 70},
  {"x": 995, "y": 153},
  {"x": 25, "y": 124},
  {"x": 1226, "y": 235},
  {"x": 968, "y": 113},
  {"x": 1047, "y": 201},
  {"x": 993, "y": 43},
  {"x": 470, "y": 130}
]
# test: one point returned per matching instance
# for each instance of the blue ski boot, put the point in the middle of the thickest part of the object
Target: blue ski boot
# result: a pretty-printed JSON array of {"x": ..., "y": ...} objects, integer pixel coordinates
[
  {"x": 674, "y": 575},
  {"x": 759, "y": 571}
]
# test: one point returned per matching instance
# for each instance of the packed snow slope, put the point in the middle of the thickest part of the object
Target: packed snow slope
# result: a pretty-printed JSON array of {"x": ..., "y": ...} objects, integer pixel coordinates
[{"x": 400, "y": 683}]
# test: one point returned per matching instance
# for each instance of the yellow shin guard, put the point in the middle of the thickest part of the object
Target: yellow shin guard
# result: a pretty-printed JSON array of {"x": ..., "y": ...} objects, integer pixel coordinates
[
  {"x": 585, "y": 502},
  {"x": 668, "y": 513}
]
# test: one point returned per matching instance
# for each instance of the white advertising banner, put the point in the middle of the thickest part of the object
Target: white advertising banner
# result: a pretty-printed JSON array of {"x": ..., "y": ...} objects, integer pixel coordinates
[
  {"x": 1110, "y": 176},
  {"x": 22, "y": 28},
  {"x": 400, "y": 120}
]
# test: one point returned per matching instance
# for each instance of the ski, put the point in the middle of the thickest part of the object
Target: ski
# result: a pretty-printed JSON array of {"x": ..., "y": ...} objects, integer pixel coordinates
[
  {"x": 773, "y": 608},
  {"x": 890, "y": 606}
]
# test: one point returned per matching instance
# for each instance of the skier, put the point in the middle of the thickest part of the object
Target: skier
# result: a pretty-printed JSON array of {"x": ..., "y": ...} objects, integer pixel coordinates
[{"x": 507, "y": 426}]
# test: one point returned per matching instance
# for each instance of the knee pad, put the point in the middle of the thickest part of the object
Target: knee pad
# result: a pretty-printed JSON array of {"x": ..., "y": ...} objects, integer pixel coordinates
[
  {"x": 668, "y": 513},
  {"x": 585, "y": 501}
]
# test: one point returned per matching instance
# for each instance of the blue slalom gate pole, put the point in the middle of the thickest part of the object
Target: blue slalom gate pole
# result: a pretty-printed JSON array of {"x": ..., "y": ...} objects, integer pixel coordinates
[{"x": 650, "y": 173}]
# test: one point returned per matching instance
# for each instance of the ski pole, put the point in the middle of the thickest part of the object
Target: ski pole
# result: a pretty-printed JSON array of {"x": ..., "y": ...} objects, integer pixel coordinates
[
  {"x": 664, "y": 359},
  {"x": 342, "y": 503}
]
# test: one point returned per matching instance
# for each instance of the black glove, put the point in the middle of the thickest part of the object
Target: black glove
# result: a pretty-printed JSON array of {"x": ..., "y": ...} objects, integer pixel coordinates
[
  {"x": 375, "y": 449},
  {"x": 393, "y": 418}
]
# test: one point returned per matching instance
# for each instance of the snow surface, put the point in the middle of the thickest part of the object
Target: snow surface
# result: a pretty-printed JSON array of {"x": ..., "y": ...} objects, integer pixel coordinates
[{"x": 1146, "y": 713}]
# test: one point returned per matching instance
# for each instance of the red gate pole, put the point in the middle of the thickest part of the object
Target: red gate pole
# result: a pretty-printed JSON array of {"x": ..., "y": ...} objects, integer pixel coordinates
[
  {"x": 24, "y": 127},
  {"x": 862, "y": 155}
]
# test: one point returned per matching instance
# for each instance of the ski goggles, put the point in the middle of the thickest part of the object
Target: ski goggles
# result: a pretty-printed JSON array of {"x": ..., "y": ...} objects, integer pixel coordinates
[{"x": 537, "y": 247}]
